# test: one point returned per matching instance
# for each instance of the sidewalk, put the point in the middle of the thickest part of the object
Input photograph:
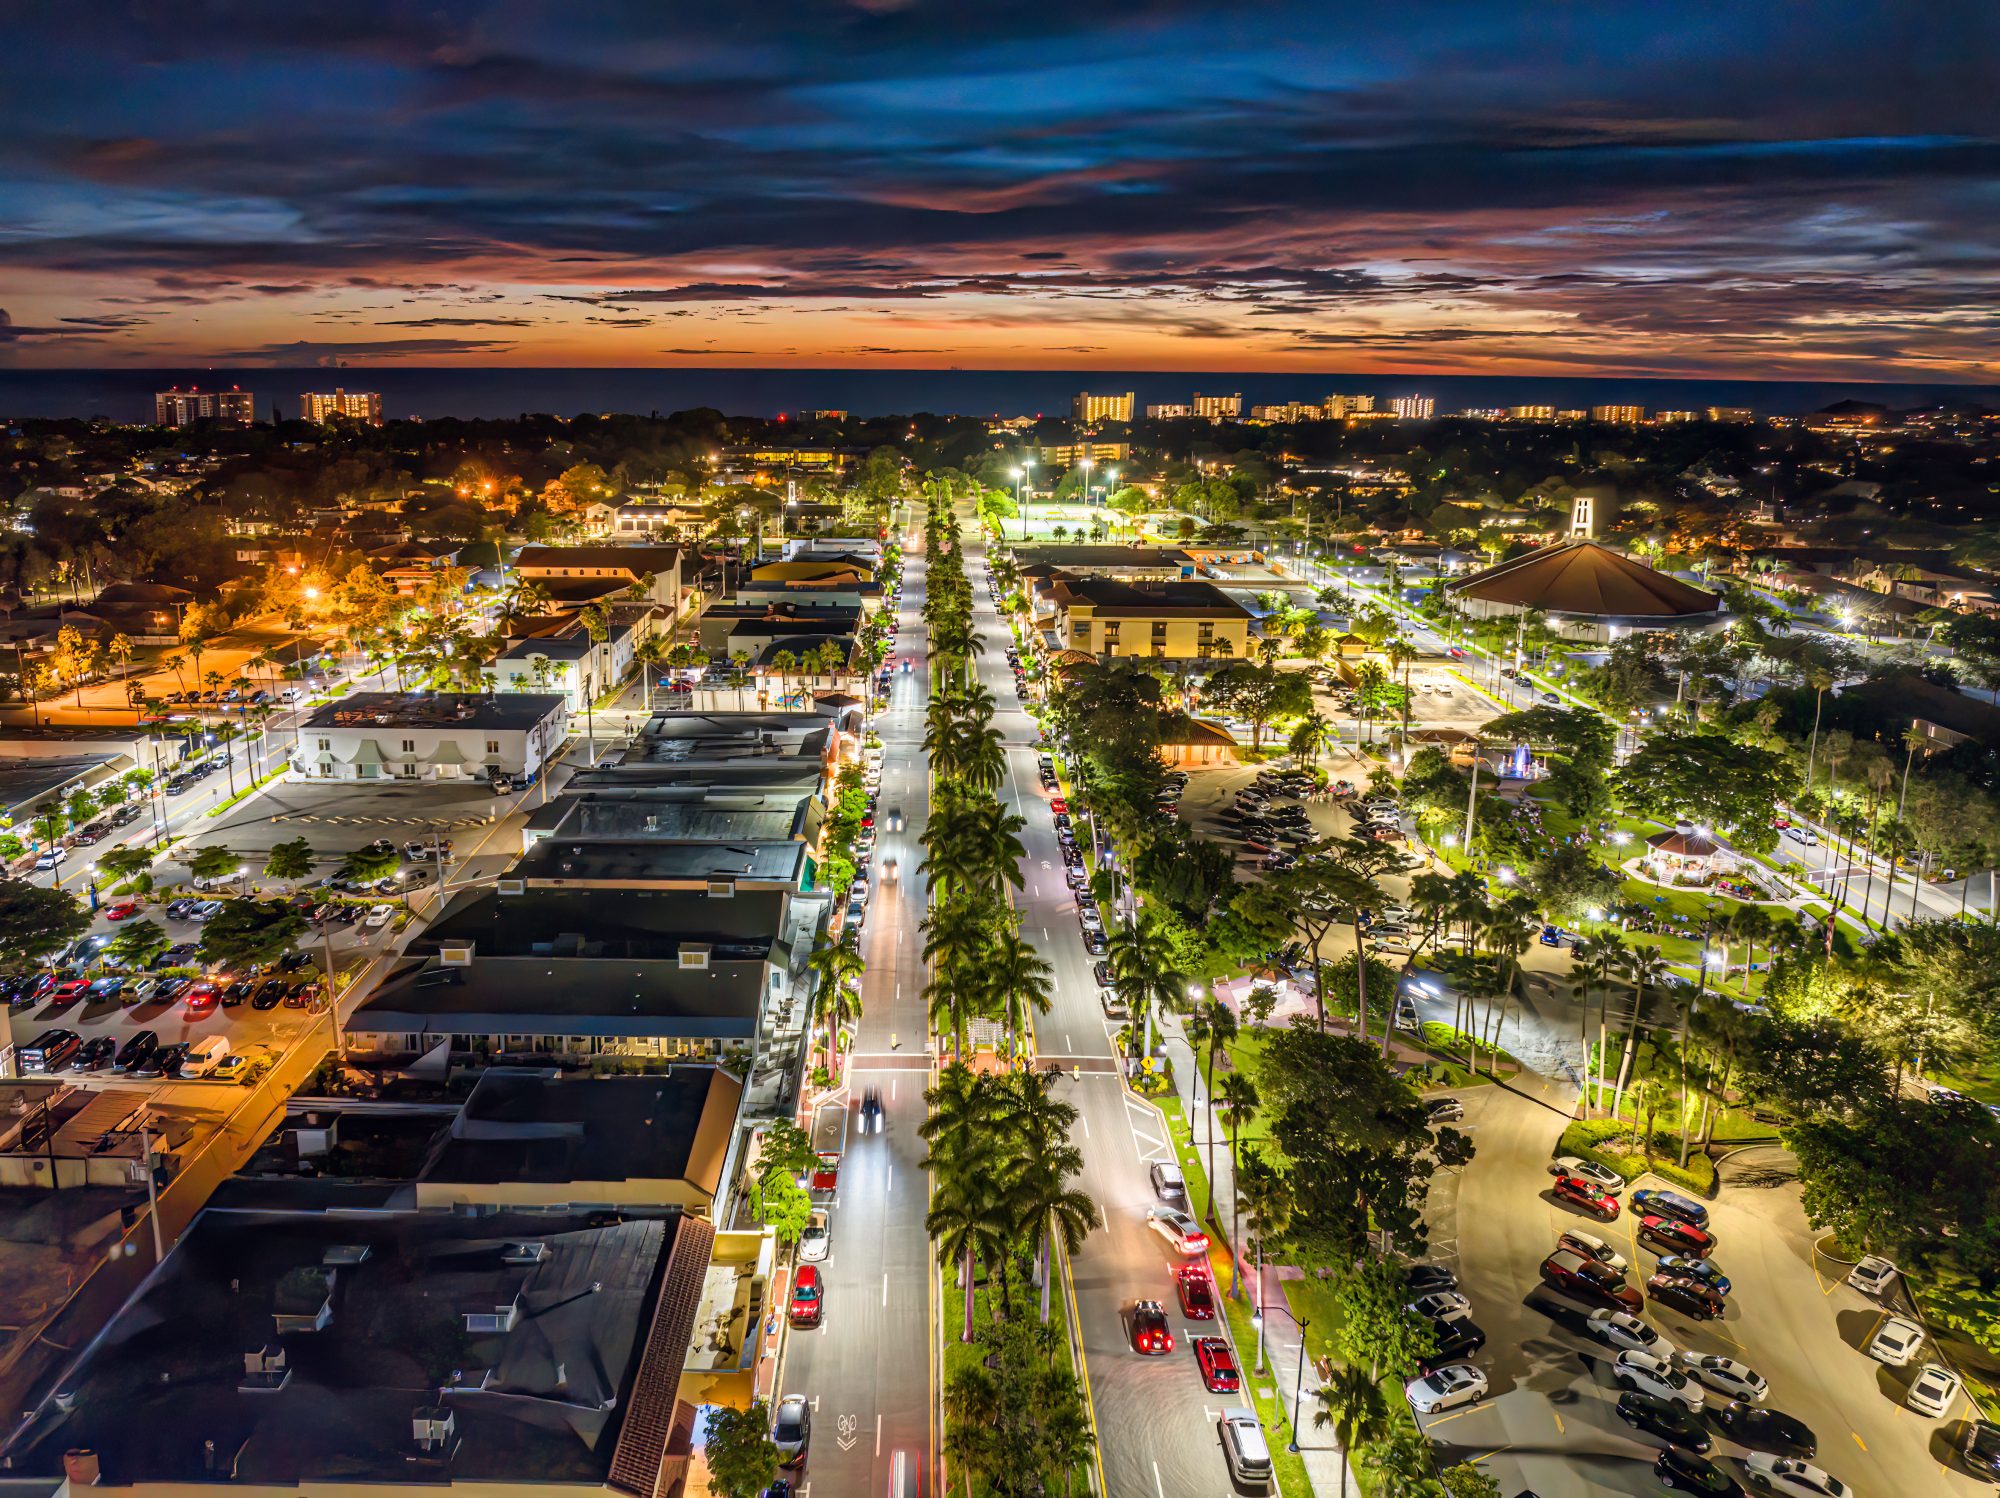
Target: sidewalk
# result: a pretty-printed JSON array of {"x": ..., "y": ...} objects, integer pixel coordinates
[{"x": 1283, "y": 1351}]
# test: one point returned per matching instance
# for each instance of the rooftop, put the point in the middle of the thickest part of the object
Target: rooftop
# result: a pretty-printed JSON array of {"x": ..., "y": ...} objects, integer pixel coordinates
[
  {"x": 195, "y": 1381},
  {"x": 1110, "y": 598},
  {"x": 642, "y": 925},
  {"x": 1581, "y": 577},
  {"x": 570, "y": 996},
  {"x": 558, "y": 861},
  {"x": 639, "y": 560},
  {"x": 509, "y": 710},
  {"x": 1080, "y": 554}
]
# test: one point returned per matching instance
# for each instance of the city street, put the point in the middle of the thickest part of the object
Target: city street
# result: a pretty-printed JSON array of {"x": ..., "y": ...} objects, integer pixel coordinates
[{"x": 868, "y": 1366}]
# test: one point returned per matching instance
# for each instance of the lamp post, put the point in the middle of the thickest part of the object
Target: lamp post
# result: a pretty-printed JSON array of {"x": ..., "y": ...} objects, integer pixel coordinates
[
  {"x": 1084, "y": 463},
  {"x": 1028, "y": 490}
]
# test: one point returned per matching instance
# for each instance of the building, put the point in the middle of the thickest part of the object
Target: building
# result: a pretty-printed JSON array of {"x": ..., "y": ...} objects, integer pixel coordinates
[
  {"x": 559, "y": 655},
  {"x": 1484, "y": 413},
  {"x": 1292, "y": 411},
  {"x": 1531, "y": 413},
  {"x": 1413, "y": 407},
  {"x": 431, "y": 736},
  {"x": 1170, "y": 411},
  {"x": 1088, "y": 409},
  {"x": 1587, "y": 590},
  {"x": 387, "y": 1350},
  {"x": 547, "y": 975},
  {"x": 580, "y": 575},
  {"x": 1038, "y": 563},
  {"x": 1340, "y": 407},
  {"x": 829, "y": 414},
  {"x": 1064, "y": 454},
  {"x": 341, "y": 405},
  {"x": 180, "y": 408},
  {"x": 1625, "y": 416},
  {"x": 1670, "y": 418},
  {"x": 1218, "y": 407},
  {"x": 1104, "y": 616},
  {"x": 644, "y": 519},
  {"x": 1733, "y": 415}
]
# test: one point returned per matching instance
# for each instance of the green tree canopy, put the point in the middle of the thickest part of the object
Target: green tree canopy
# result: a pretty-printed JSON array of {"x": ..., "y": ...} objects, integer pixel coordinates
[
  {"x": 35, "y": 922},
  {"x": 742, "y": 1458},
  {"x": 1708, "y": 778},
  {"x": 250, "y": 933},
  {"x": 290, "y": 860}
]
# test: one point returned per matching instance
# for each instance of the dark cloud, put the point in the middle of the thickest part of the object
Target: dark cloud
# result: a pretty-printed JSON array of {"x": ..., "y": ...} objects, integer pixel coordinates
[
  {"x": 458, "y": 322},
  {"x": 307, "y": 351}
]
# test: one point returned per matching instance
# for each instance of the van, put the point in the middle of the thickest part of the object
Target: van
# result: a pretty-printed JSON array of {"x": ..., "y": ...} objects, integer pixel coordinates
[
  {"x": 49, "y": 1051},
  {"x": 1244, "y": 1449},
  {"x": 204, "y": 1056}
]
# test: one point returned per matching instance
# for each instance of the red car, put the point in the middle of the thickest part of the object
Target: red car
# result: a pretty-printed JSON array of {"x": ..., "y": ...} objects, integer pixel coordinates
[
  {"x": 201, "y": 1000},
  {"x": 121, "y": 910},
  {"x": 69, "y": 991},
  {"x": 1057, "y": 804},
  {"x": 826, "y": 1172},
  {"x": 1580, "y": 1193},
  {"x": 1197, "y": 1292},
  {"x": 1677, "y": 1236},
  {"x": 1217, "y": 1364},
  {"x": 806, "y": 1297},
  {"x": 1588, "y": 1280},
  {"x": 1150, "y": 1332}
]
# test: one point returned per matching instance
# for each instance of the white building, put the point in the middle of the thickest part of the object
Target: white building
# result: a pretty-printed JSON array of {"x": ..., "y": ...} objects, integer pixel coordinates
[
  {"x": 1413, "y": 407},
  {"x": 1090, "y": 409},
  {"x": 431, "y": 736},
  {"x": 1218, "y": 407},
  {"x": 325, "y": 406}
]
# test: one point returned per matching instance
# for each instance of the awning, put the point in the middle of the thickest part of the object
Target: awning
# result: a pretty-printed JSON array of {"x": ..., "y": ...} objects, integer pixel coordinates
[{"x": 447, "y": 753}]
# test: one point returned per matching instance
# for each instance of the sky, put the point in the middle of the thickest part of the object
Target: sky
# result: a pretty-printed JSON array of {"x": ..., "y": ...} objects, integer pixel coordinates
[{"x": 1787, "y": 189}]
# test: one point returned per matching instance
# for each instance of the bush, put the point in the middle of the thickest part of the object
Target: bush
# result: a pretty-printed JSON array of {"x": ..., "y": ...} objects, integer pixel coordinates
[{"x": 1610, "y": 1141}]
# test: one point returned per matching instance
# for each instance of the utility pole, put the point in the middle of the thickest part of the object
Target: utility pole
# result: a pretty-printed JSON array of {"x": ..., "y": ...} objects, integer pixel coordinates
[{"x": 152, "y": 1192}]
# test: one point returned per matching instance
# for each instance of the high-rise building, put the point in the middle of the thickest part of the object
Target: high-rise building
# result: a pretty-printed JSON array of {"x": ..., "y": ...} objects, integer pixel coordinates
[
  {"x": 1168, "y": 412},
  {"x": 1340, "y": 407},
  {"x": 179, "y": 408},
  {"x": 1218, "y": 407},
  {"x": 1413, "y": 407},
  {"x": 1624, "y": 416},
  {"x": 1666, "y": 417},
  {"x": 1736, "y": 414},
  {"x": 1090, "y": 409},
  {"x": 1484, "y": 413},
  {"x": 356, "y": 405},
  {"x": 1289, "y": 411},
  {"x": 1531, "y": 413}
]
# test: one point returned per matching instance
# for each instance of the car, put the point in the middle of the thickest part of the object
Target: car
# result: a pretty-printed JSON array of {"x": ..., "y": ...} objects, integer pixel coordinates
[
  {"x": 1792, "y": 1477},
  {"x": 1668, "y": 1419},
  {"x": 1577, "y": 1192},
  {"x": 1452, "y": 1342},
  {"x": 1181, "y": 1231},
  {"x": 201, "y": 999},
  {"x": 1657, "y": 1376},
  {"x": 229, "y": 1068},
  {"x": 236, "y": 991},
  {"x": 1101, "y": 971},
  {"x": 121, "y": 910},
  {"x": 1896, "y": 1341},
  {"x": 1724, "y": 1375},
  {"x": 1424, "y": 1278},
  {"x": 1603, "y": 1177},
  {"x": 1653, "y": 1202},
  {"x": 168, "y": 1060},
  {"x": 1685, "y": 1267},
  {"x": 1449, "y": 1387},
  {"x": 808, "y": 1299},
  {"x": 1935, "y": 1391},
  {"x": 1592, "y": 1246},
  {"x": 1677, "y": 1467},
  {"x": 1196, "y": 1291},
  {"x": 269, "y": 994},
  {"x": 816, "y": 1237},
  {"x": 136, "y": 1050},
  {"x": 1443, "y": 1110},
  {"x": 1623, "y": 1330},
  {"x": 171, "y": 989},
  {"x": 378, "y": 916},
  {"x": 1804, "y": 836},
  {"x": 1688, "y": 1296},
  {"x": 1770, "y": 1430},
  {"x": 1981, "y": 1449},
  {"x": 1872, "y": 1275},
  {"x": 301, "y": 993},
  {"x": 95, "y": 1054},
  {"x": 1150, "y": 1333},
  {"x": 1672, "y": 1234},
  {"x": 1093, "y": 943},
  {"x": 69, "y": 990},
  {"x": 1583, "y": 1277},
  {"x": 1219, "y": 1373},
  {"x": 51, "y": 856},
  {"x": 791, "y": 1429},
  {"x": 871, "y": 1112},
  {"x": 103, "y": 989},
  {"x": 1441, "y": 1305}
]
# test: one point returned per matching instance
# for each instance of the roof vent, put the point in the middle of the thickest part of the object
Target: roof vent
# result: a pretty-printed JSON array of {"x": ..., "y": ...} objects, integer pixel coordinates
[
  {"x": 433, "y": 1427},
  {"x": 523, "y": 1253},
  {"x": 511, "y": 886}
]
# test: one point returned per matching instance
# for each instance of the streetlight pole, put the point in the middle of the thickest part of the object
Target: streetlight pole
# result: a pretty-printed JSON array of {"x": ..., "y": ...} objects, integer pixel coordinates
[
  {"x": 1298, "y": 1387},
  {"x": 1027, "y": 468}
]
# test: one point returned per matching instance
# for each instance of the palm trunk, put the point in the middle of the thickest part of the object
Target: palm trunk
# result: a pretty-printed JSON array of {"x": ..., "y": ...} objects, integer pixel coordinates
[
  {"x": 1048, "y": 1272},
  {"x": 1360, "y": 981},
  {"x": 1631, "y": 1046},
  {"x": 966, "y": 1335}
]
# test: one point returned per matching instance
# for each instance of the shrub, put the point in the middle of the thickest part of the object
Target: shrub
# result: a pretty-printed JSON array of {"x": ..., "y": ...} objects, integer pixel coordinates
[{"x": 1612, "y": 1142}]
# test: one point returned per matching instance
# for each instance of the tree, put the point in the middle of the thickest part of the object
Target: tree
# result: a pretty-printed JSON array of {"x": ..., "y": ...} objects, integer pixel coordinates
[
  {"x": 1710, "y": 779},
  {"x": 1260, "y": 693},
  {"x": 289, "y": 860},
  {"x": 784, "y": 1206},
  {"x": 1238, "y": 1096},
  {"x": 1402, "y": 1463},
  {"x": 213, "y": 863},
  {"x": 1377, "y": 1326},
  {"x": 1351, "y": 1402},
  {"x": 250, "y": 933},
  {"x": 371, "y": 865},
  {"x": 125, "y": 863},
  {"x": 1468, "y": 1481},
  {"x": 742, "y": 1458},
  {"x": 1016, "y": 1418},
  {"x": 138, "y": 943},
  {"x": 35, "y": 922}
]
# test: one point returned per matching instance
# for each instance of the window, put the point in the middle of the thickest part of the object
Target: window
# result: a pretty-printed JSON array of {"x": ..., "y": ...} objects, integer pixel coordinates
[
  {"x": 325, "y": 745},
  {"x": 409, "y": 746},
  {"x": 492, "y": 746}
]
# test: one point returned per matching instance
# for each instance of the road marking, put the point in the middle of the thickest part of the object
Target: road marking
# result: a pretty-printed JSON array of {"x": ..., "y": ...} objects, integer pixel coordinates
[
  {"x": 1857, "y": 1439},
  {"x": 878, "y": 1432},
  {"x": 1559, "y": 1426},
  {"x": 1085, "y": 1121},
  {"x": 1441, "y": 1419},
  {"x": 885, "y": 1289},
  {"x": 1158, "y": 1486}
]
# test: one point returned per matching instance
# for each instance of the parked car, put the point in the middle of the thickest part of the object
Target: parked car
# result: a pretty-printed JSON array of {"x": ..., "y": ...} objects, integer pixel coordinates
[
  {"x": 1219, "y": 1373},
  {"x": 379, "y": 916},
  {"x": 1443, "y": 1110},
  {"x": 1688, "y": 1296},
  {"x": 791, "y": 1429},
  {"x": 49, "y": 1051},
  {"x": 1668, "y": 1204},
  {"x": 1872, "y": 1275},
  {"x": 1452, "y": 1342},
  {"x": 1196, "y": 1292},
  {"x": 1424, "y": 1278},
  {"x": 1657, "y": 1376},
  {"x": 1578, "y": 1192},
  {"x": 1673, "y": 1235},
  {"x": 136, "y": 1051},
  {"x": 1725, "y": 1376},
  {"x": 1792, "y": 1477},
  {"x": 1589, "y": 1281},
  {"x": 807, "y": 1299},
  {"x": 1935, "y": 1391},
  {"x": 1668, "y": 1419},
  {"x": 1768, "y": 1430},
  {"x": 1626, "y": 1332},
  {"x": 94, "y": 1054},
  {"x": 1603, "y": 1177},
  {"x": 816, "y": 1237},
  {"x": 1441, "y": 1305},
  {"x": 1592, "y": 1246},
  {"x": 1703, "y": 1270},
  {"x": 1448, "y": 1388},
  {"x": 1678, "y": 1467}
]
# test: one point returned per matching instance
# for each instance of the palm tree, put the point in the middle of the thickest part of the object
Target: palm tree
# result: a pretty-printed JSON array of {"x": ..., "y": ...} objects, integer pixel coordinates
[
  {"x": 1264, "y": 1198},
  {"x": 1644, "y": 969},
  {"x": 1215, "y": 1023},
  {"x": 1311, "y": 737},
  {"x": 1596, "y": 961},
  {"x": 965, "y": 1216},
  {"x": 649, "y": 652},
  {"x": 1037, "y": 1126},
  {"x": 1017, "y": 977},
  {"x": 1508, "y": 934},
  {"x": 1351, "y": 1402},
  {"x": 1649, "y": 1094},
  {"x": 1238, "y": 1095},
  {"x": 1142, "y": 970},
  {"x": 1369, "y": 679},
  {"x": 835, "y": 963},
  {"x": 958, "y": 934}
]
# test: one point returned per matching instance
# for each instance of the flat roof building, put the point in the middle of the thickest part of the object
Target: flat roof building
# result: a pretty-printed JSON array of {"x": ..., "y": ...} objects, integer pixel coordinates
[{"x": 431, "y": 736}]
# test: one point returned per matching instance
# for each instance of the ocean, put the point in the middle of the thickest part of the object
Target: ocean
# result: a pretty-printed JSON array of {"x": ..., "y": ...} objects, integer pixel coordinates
[{"x": 126, "y": 395}]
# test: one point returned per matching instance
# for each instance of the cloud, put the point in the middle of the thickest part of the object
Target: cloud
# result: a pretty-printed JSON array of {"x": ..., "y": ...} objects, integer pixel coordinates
[
  {"x": 310, "y": 352},
  {"x": 458, "y": 322}
]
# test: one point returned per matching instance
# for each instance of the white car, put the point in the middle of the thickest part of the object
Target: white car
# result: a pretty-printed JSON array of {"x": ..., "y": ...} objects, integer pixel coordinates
[
  {"x": 858, "y": 892},
  {"x": 1935, "y": 1391},
  {"x": 817, "y": 1238},
  {"x": 1442, "y": 1305},
  {"x": 1628, "y": 1333},
  {"x": 378, "y": 916},
  {"x": 1448, "y": 1388},
  {"x": 1804, "y": 836},
  {"x": 1592, "y": 1246},
  {"x": 1657, "y": 1376},
  {"x": 1788, "y": 1475},
  {"x": 1179, "y": 1229},
  {"x": 1603, "y": 1177},
  {"x": 1896, "y": 1342},
  {"x": 1872, "y": 1275},
  {"x": 1092, "y": 921},
  {"x": 1724, "y": 1375}
]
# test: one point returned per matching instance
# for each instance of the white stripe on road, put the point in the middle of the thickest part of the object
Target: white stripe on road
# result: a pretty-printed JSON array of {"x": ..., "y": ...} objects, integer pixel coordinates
[
  {"x": 1158, "y": 1486},
  {"x": 885, "y": 1289}
]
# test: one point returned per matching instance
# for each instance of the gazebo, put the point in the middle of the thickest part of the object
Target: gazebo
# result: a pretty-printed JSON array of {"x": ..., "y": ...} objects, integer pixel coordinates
[{"x": 1684, "y": 856}]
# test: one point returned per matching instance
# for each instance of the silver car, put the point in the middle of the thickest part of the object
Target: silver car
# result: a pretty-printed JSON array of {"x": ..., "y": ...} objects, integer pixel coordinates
[{"x": 791, "y": 1432}]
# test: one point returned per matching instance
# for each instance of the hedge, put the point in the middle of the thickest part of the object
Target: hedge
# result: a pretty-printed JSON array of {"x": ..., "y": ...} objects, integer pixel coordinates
[{"x": 1587, "y": 1139}]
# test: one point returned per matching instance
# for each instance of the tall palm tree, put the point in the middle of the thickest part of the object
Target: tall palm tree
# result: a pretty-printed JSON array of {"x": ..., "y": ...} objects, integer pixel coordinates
[
  {"x": 1508, "y": 933},
  {"x": 835, "y": 963},
  {"x": 1142, "y": 970},
  {"x": 1264, "y": 1199},
  {"x": 1238, "y": 1095},
  {"x": 1596, "y": 960},
  {"x": 1351, "y": 1402},
  {"x": 1644, "y": 969},
  {"x": 958, "y": 933},
  {"x": 1041, "y": 1188},
  {"x": 1018, "y": 981},
  {"x": 1311, "y": 737},
  {"x": 1216, "y": 1023},
  {"x": 966, "y": 1218}
]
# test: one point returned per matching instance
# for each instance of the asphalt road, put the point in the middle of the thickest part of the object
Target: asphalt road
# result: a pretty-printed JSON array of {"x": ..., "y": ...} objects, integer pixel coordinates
[
  {"x": 1155, "y": 1423},
  {"x": 868, "y": 1365},
  {"x": 1550, "y": 1425}
]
